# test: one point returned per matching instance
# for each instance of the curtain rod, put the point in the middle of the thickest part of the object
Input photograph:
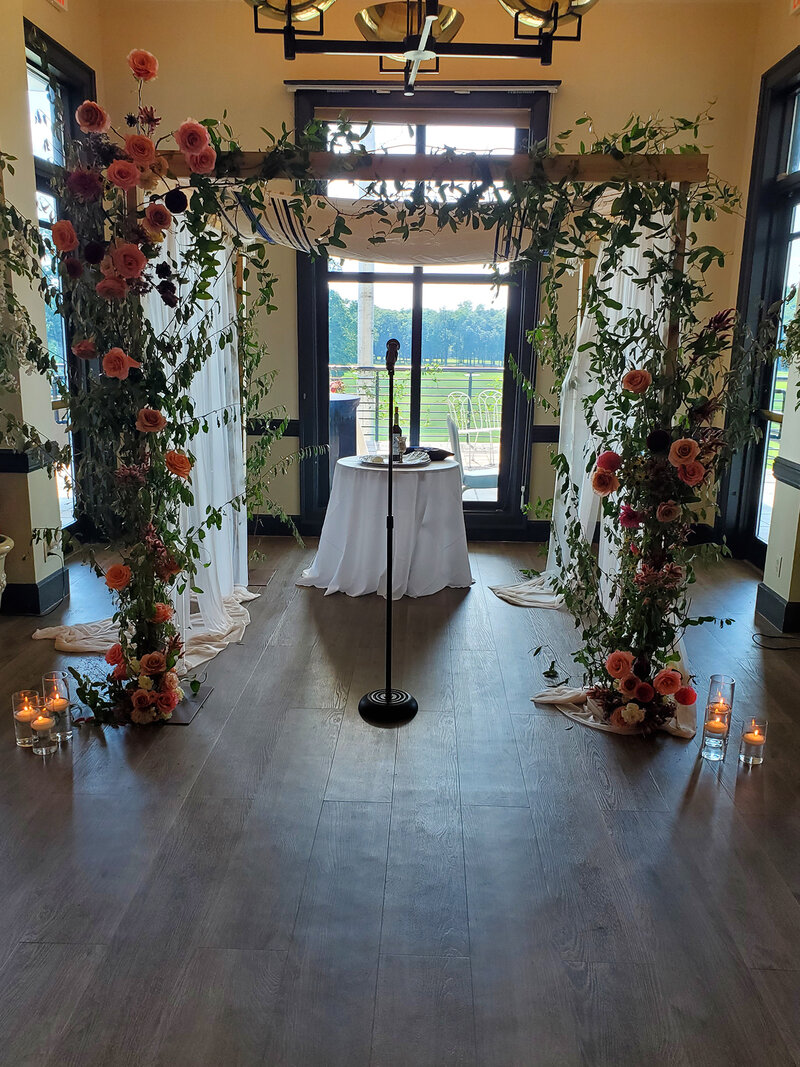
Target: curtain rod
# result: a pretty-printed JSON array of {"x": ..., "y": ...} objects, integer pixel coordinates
[{"x": 465, "y": 87}]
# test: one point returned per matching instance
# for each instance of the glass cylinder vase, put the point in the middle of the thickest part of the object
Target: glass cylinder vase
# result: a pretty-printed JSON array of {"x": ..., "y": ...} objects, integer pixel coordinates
[
  {"x": 720, "y": 694},
  {"x": 26, "y": 706},
  {"x": 716, "y": 729},
  {"x": 753, "y": 742},
  {"x": 44, "y": 737},
  {"x": 55, "y": 690}
]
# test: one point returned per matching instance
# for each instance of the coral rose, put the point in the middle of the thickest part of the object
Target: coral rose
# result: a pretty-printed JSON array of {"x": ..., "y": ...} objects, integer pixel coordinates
[
  {"x": 158, "y": 215},
  {"x": 202, "y": 162},
  {"x": 123, "y": 174},
  {"x": 619, "y": 664},
  {"x": 178, "y": 463},
  {"x": 162, "y": 612},
  {"x": 630, "y": 519},
  {"x": 692, "y": 473},
  {"x": 150, "y": 421},
  {"x": 683, "y": 451},
  {"x": 117, "y": 364},
  {"x": 686, "y": 695},
  {"x": 171, "y": 680},
  {"x": 118, "y": 576},
  {"x": 153, "y": 663},
  {"x": 637, "y": 381},
  {"x": 85, "y": 185},
  {"x": 191, "y": 137},
  {"x": 92, "y": 118},
  {"x": 669, "y": 511},
  {"x": 144, "y": 65},
  {"x": 85, "y": 349},
  {"x": 628, "y": 685},
  {"x": 604, "y": 482},
  {"x": 64, "y": 237},
  {"x": 112, "y": 288},
  {"x": 608, "y": 461},
  {"x": 129, "y": 260},
  {"x": 120, "y": 672},
  {"x": 141, "y": 699},
  {"x": 644, "y": 692},
  {"x": 166, "y": 701},
  {"x": 140, "y": 148},
  {"x": 114, "y": 654},
  {"x": 667, "y": 682}
]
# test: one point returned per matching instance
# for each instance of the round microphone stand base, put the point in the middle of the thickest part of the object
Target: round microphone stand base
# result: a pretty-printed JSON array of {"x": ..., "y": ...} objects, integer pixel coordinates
[{"x": 375, "y": 709}]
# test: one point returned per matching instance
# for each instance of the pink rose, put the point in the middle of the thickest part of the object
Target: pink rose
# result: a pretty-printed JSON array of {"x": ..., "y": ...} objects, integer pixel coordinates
[
  {"x": 112, "y": 288},
  {"x": 669, "y": 511},
  {"x": 644, "y": 692},
  {"x": 117, "y": 364},
  {"x": 692, "y": 473},
  {"x": 171, "y": 680},
  {"x": 619, "y": 664},
  {"x": 158, "y": 216},
  {"x": 141, "y": 699},
  {"x": 144, "y": 65},
  {"x": 191, "y": 137},
  {"x": 140, "y": 148},
  {"x": 64, "y": 237},
  {"x": 123, "y": 174},
  {"x": 129, "y": 260},
  {"x": 604, "y": 482},
  {"x": 202, "y": 162},
  {"x": 629, "y": 519},
  {"x": 166, "y": 701},
  {"x": 85, "y": 349},
  {"x": 114, "y": 654},
  {"x": 667, "y": 682},
  {"x": 683, "y": 451},
  {"x": 92, "y": 118},
  {"x": 150, "y": 421},
  {"x": 637, "y": 381},
  {"x": 609, "y": 461}
]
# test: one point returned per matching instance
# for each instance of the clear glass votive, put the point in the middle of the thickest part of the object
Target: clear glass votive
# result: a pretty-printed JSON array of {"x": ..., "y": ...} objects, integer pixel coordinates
[
  {"x": 716, "y": 729},
  {"x": 754, "y": 739},
  {"x": 720, "y": 694},
  {"x": 55, "y": 689},
  {"x": 44, "y": 737},
  {"x": 27, "y": 706}
]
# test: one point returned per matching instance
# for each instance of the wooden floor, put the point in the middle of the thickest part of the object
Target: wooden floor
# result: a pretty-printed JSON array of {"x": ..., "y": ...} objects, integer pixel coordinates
[{"x": 280, "y": 884}]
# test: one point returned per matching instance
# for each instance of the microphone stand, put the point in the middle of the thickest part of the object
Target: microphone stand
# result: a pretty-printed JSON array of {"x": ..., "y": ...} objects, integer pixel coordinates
[{"x": 388, "y": 705}]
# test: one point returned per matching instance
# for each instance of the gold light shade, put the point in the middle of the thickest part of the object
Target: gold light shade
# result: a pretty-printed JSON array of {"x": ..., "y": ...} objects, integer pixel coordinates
[
  {"x": 388, "y": 22},
  {"x": 538, "y": 17},
  {"x": 302, "y": 10}
]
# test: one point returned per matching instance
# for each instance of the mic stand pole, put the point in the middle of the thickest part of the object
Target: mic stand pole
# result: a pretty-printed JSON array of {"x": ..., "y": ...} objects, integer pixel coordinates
[{"x": 389, "y": 706}]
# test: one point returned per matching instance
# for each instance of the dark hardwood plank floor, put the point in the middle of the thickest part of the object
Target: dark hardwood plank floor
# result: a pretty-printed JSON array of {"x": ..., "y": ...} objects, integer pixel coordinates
[{"x": 280, "y": 885}]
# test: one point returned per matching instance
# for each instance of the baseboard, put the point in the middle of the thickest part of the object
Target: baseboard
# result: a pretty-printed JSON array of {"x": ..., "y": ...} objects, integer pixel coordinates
[
  {"x": 36, "y": 598},
  {"x": 784, "y": 615}
]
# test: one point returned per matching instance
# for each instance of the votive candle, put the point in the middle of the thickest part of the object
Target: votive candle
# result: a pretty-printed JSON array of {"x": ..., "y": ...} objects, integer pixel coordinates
[
  {"x": 715, "y": 733},
  {"x": 754, "y": 738},
  {"x": 26, "y": 705},
  {"x": 55, "y": 687},
  {"x": 44, "y": 739}
]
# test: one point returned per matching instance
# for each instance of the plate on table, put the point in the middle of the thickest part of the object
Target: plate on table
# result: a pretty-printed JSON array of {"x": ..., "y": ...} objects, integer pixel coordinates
[{"x": 411, "y": 459}]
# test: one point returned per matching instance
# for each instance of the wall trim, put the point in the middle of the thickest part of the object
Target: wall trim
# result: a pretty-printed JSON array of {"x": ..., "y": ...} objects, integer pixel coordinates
[
  {"x": 36, "y": 598},
  {"x": 787, "y": 472},
  {"x": 784, "y": 615}
]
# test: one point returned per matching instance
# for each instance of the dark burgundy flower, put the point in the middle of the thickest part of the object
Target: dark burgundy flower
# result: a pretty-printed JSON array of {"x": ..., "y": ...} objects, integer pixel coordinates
[
  {"x": 85, "y": 185},
  {"x": 148, "y": 117},
  {"x": 659, "y": 441},
  {"x": 168, "y": 294},
  {"x": 641, "y": 667},
  {"x": 176, "y": 201},
  {"x": 130, "y": 119},
  {"x": 94, "y": 251},
  {"x": 73, "y": 267},
  {"x": 629, "y": 519},
  {"x": 163, "y": 270}
]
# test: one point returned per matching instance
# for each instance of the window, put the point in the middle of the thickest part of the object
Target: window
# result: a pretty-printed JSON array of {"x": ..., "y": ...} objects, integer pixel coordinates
[
  {"x": 57, "y": 83},
  {"x": 455, "y": 326}
]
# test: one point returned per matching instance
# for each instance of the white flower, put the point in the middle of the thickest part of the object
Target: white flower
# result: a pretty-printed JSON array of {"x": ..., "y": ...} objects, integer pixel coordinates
[
  {"x": 134, "y": 665},
  {"x": 632, "y": 714},
  {"x": 145, "y": 681}
]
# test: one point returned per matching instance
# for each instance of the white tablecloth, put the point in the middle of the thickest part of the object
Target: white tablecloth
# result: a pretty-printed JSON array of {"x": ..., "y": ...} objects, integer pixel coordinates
[{"x": 430, "y": 542}]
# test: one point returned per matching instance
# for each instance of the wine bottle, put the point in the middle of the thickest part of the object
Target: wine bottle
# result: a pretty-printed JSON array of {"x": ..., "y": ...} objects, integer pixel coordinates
[{"x": 398, "y": 443}]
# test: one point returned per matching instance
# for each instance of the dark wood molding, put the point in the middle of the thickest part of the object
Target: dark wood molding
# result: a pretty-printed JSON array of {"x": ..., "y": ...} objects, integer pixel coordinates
[
  {"x": 36, "y": 598},
  {"x": 545, "y": 435},
  {"x": 787, "y": 472},
  {"x": 784, "y": 615}
]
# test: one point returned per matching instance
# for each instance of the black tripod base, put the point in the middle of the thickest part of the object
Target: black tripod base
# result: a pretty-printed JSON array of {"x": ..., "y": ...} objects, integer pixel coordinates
[{"x": 375, "y": 708}]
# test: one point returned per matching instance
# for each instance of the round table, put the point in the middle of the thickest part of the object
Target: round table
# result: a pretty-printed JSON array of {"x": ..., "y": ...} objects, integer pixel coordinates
[{"x": 430, "y": 542}]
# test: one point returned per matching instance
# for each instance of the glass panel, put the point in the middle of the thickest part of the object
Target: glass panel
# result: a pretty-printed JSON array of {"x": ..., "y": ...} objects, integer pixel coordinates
[
  {"x": 766, "y": 495},
  {"x": 499, "y": 140},
  {"x": 793, "y": 163},
  {"x": 463, "y": 356},
  {"x": 464, "y": 268},
  {"x": 44, "y": 109},
  {"x": 361, "y": 319},
  {"x": 397, "y": 139},
  {"x": 337, "y": 265}
]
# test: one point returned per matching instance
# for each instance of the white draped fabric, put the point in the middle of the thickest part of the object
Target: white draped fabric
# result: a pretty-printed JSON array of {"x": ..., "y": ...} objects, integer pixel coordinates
[
  {"x": 575, "y": 705},
  {"x": 212, "y": 619}
]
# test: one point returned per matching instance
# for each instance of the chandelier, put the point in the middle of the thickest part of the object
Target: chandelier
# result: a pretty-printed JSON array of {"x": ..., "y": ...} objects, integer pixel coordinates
[{"x": 425, "y": 31}]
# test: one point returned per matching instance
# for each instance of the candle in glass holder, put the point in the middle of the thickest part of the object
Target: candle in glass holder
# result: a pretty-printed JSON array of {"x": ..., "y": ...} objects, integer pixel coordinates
[
  {"x": 720, "y": 694},
  {"x": 715, "y": 733},
  {"x": 26, "y": 706},
  {"x": 55, "y": 687},
  {"x": 754, "y": 738},
  {"x": 44, "y": 739}
]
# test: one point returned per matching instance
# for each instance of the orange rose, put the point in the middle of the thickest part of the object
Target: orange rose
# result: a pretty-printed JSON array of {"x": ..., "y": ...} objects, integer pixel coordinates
[
  {"x": 167, "y": 701},
  {"x": 64, "y": 237},
  {"x": 191, "y": 137},
  {"x": 150, "y": 421},
  {"x": 683, "y": 451},
  {"x": 178, "y": 463},
  {"x": 118, "y": 576},
  {"x": 202, "y": 162},
  {"x": 117, "y": 364},
  {"x": 637, "y": 381},
  {"x": 667, "y": 682},
  {"x": 692, "y": 473},
  {"x": 92, "y": 118},
  {"x": 113, "y": 288},
  {"x": 158, "y": 215},
  {"x": 604, "y": 482},
  {"x": 153, "y": 663},
  {"x": 85, "y": 349},
  {"x": 141, "y": 699},
  {"x": 162, "y": 612},
  {"x": 140, "y": 148},
  {"x": 619, "y": 664},
  {"x": 114, "y": 654},
  {"x": 129, "y": 260},
  {"x": 144, "y": 65},
  {"x": 669, "y": 511},
  {"x": 123, "y": 174}
]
